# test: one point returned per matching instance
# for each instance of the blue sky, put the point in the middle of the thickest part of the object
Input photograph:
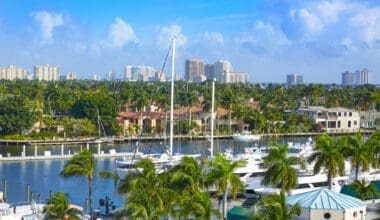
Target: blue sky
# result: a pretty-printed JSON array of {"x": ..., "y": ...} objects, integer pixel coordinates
[{"x": 267, "y": 39}]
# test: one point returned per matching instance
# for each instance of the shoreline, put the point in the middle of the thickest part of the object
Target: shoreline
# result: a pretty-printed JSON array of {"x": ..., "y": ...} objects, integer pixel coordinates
[{"x": 76, "y": 141}]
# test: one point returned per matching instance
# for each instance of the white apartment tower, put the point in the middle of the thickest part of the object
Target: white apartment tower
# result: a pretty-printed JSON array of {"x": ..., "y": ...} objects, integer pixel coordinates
[
  {"x": 363, "y": 77},
  {"x": 220, "y": 68},
  {"x": 11, "y": 73},
  {"x": 294, "y": 79},
  {"x": 46, "y": 73},
  {"x": 71, "y": 76}
]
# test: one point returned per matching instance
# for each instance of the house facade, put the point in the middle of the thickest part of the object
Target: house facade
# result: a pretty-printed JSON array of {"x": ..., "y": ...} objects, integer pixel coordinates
[{"x": 331, "y": 120}]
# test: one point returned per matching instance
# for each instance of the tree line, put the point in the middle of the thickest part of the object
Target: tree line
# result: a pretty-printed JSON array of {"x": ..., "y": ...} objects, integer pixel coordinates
[{"x": 77, "y": 105}]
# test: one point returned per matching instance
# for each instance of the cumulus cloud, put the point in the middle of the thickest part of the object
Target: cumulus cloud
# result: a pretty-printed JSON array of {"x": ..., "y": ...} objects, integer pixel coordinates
[
  {"x": 214, "y": 37},
  {"x": 263, "y": 37},
  {"x": 120, "y": 34},
  {"x": 367, "y": 22},
  {"x": 166, "y": 33},
  {"x": 48, "y": 21}
]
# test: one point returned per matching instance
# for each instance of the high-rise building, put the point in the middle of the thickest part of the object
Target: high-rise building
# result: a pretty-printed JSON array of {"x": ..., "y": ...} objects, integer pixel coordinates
[
  {"x": 220, "y": 68},
  {"x": 194, "y": 68},
  {"x": 294, "y": 79},
  {"x": 139, "y": 73},
  {"x": 363, "y": 77},
  {"x": 11, "y": 73},
  {"x": 46, "y": 73},
  {"x": 209, "y": 71},
  {"x": 235, "y": 77},
  {"x": 348, "y": 78}
]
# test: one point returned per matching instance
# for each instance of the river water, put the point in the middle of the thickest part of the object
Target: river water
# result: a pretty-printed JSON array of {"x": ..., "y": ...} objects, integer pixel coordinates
[{"x": 43, "y": 176}]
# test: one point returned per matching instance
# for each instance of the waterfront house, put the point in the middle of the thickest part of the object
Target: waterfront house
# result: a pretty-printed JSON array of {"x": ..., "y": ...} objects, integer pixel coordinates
[{"x": 331, "y": 120}]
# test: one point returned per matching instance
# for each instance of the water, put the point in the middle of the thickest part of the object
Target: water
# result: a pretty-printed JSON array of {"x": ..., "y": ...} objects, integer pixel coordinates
[{"x": 43, "y": 176}]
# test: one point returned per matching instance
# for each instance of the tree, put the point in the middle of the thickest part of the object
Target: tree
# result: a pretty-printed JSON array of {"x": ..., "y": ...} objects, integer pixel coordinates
[
  {"x": 358, "y": 150},
  {"x": 15, "y": 114},
  {"x": 198, "y": 206},
  {"x": 221, "y": 173},
  {"x": 280, "y": 167},
  {"x": 364, "y": 191},
  {"x": 328, "y": 155},
  {"x": 148, "y": 193},
  {"x": 274, "y": 207},
  {"x": 82, "y": 164},
  {"x": 58, "y": 207}
]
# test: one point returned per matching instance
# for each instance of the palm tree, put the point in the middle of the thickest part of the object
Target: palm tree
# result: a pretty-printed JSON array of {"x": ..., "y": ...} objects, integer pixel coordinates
[
  {"x": 82, "y": 164},
  {"x": 280, "y": 167},
  {"x": 199, "y": 206},
  {"x": 364, "y": 191},
  {"x": 358, "y": 150},
  {"x": 58, "y": 207},
  {"x": 328, "y": 155},
  {"x": 221, "y": 173},
  {"x": 274, "y": 207},
  {"x": 149, "y": 195}
]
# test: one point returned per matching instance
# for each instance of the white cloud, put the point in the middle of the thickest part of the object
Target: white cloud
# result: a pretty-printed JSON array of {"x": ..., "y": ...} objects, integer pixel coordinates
[
  {"x": 120, "y": 34},
  {"x": 166, "y": 33},
  {"x": 48, "y": 21},
  {"x": 310, "y": 21},
  {"x": 214, "y": 37},
  {"x": 367, "y": 22}
]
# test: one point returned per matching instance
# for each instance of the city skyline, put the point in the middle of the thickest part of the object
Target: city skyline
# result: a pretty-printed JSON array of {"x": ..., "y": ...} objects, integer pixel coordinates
[{"x": 319, "y": 39}]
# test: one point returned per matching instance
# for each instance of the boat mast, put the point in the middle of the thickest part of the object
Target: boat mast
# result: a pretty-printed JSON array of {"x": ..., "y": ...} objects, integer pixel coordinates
[
  {"x": 212, "y": 119},
  {"x": 172, "y": 99}
]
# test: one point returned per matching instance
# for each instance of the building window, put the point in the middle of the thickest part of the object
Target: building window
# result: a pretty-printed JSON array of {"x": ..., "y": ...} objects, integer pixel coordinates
[
  {"x": 355, "y": 123},
  {"x": 345, "y": 114},
  {"x": 349, "y": 124},
  {"x": 350, "y": 114},
  {"x": 338, "y": 124},
  {"x": 327, "y": 215},
  {"x": 339, "y": 114}
]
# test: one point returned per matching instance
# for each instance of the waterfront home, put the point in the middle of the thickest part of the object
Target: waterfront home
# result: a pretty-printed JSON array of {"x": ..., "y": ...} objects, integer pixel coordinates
[{"x": 331, "y": 120}]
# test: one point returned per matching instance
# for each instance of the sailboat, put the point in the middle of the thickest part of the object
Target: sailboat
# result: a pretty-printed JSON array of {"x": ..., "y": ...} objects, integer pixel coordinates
[{"x": 123, "y": 166}]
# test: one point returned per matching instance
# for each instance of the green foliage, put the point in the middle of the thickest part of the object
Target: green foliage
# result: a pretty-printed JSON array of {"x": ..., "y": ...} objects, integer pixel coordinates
[
  {"x": 15, "y": 114},
  {"x": 274, "y": 207},
  {"x": 364, "y": 190},
  {"x": 58, "y": 207}
]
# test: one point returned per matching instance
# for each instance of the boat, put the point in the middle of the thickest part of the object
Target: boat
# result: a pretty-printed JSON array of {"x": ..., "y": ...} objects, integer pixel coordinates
[
  {"x": 307, "y": 181},
  {"x": 16, "y": 212},
  {"x": 164, "y": 160},
  {"x": 246, "y": 137}
]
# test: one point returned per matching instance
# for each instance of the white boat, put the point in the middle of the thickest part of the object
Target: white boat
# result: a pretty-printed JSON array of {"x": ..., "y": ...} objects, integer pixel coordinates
[
  {"x": 306, "y": 182},
  {"x": 30, "y": 211},
  {"x": 246, "y": 137}
]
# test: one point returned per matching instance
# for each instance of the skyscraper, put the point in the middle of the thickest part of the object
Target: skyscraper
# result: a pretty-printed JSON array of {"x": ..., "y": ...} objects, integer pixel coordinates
[
  {"x": 194, "y": 69},
  {"x": 46, "y": 73},
  {"x": 11, "y": 73},
  {"x": 294, "y": 79},
  {"x": 220, "y": 68},
  {"x": 209, "y": 71},
  {"x": 141, "y": 73},
  {"x": 348, "y": 79},
  {"x": 363, "y": 77}
]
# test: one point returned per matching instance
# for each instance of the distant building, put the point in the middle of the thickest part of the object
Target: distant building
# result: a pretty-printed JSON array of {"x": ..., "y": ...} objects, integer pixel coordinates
[
  {"x": 71, "y": 76},
  {"x": 220, "y": 68},
  {"x": 139, "y": 73},
  {"x": 348, "y": 78},
  {"x": 209, "y": 71},
  {"x": 95, "y": 77},
  {"x": 234, "y": 77},
  {"x": 194, "y": 68},
  {"x": 294, "y": 79},
  {"x": 159, "y": 76},
  {"x": 111, "y": 76},
  {"x": 363, "y": 77},
  {"x": 11, "y": 73},
  {"x": 46, "y": 73}
]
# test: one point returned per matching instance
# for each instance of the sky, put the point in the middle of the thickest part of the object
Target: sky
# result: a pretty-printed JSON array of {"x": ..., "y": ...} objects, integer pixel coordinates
[{"x": 267, "y": 39}]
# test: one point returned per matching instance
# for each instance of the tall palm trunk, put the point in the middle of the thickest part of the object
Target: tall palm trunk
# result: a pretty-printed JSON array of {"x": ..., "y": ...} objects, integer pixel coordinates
[
  {"x": 357, "y": 171},
  {"x": 90, "y": 194},
  {"x": 329, "y": 179},
  {"x": 225, "y": 203}
]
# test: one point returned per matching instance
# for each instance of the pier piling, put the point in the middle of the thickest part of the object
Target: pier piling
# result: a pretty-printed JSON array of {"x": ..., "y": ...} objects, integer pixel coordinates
[
  {"x": 62, "y": 150},
  {"x": 5, "y": 190},
  {"x": 27, "y": 193}
]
